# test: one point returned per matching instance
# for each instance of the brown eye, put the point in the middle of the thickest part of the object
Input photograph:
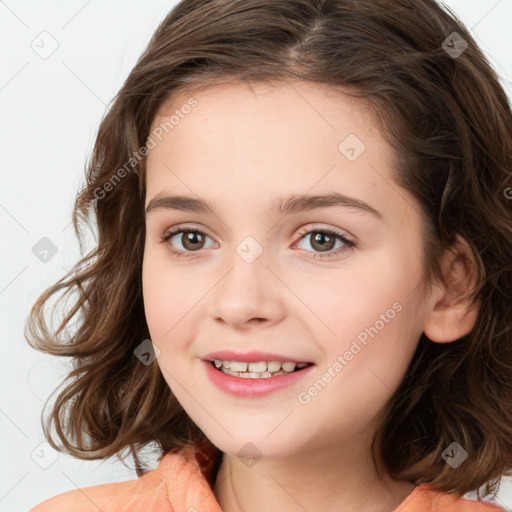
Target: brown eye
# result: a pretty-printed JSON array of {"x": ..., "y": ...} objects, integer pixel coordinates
[
  {"x": 192, "y": 240},
  {"x": 322, "y": 241}
]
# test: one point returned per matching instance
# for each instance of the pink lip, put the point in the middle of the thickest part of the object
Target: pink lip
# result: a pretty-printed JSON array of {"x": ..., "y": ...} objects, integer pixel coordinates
[
  {"x": 251, "y": 357},
  {"x": 240, "y": 386}
]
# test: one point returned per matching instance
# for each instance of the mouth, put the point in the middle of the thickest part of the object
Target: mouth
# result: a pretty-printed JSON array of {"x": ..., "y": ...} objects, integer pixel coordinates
[
  {"x": 255, "y": 374},
  {"x": 258, "y": 369}
]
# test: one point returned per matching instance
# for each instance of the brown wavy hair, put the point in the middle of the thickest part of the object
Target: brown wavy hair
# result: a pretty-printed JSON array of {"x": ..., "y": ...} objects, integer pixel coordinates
[{"x": 450, "y": 122}]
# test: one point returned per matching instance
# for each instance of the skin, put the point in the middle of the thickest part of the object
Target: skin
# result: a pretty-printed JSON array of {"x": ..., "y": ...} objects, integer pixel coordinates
[{"x": 237, "y": 148}]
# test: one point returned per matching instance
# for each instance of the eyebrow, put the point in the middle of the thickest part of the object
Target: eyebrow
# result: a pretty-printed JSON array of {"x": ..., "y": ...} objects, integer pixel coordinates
[{"x": 282, "y": 204}]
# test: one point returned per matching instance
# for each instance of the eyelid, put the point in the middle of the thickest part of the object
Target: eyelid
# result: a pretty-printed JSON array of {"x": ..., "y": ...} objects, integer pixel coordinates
[
  {"x": 322, "y": 227},
  {"x": 338, "y": 233},
  {"x": 169, "y": 233},
  {"x": 348, "y": 242},
  {"x": 301, "y": 232},
  {"x": 185, "y": 227}
]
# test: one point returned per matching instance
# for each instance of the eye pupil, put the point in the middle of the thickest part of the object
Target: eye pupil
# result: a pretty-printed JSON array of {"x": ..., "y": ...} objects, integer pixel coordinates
[
  {"x": 322, "y": 241},
  {"x": 191, "y": 237},
  {"x": 318, "y": 237}
]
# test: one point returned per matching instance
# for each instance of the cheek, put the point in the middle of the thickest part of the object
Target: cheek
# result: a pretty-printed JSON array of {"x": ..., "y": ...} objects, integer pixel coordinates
[
  {"x": 174, "y": 304},
  {"x": 381, "y": 324},
  {"x": 166, "y": 306},
  {"x": 166, "y": 294},
  {"x": 155, "y": 296},
  {"x": 350, "y": 299},
  {"x": 371, "y": 313}
]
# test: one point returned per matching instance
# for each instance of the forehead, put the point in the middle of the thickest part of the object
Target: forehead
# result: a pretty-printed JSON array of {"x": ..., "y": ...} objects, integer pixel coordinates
[
  {"x": 260, "y": 139},
  {"x": 287, "y": 91},
  {"x": 273, "y": 104},
  {"x": 249, "y": 124}
]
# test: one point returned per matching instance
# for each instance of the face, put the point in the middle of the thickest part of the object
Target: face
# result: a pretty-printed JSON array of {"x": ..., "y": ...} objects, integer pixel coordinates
[{"x": 336, "y": 284}]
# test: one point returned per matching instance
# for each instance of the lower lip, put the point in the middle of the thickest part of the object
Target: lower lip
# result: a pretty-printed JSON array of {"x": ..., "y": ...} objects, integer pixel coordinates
[{"x": 248, "y": 387}]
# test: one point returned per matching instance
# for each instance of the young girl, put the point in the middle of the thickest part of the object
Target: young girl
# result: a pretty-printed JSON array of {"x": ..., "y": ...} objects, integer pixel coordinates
[{"x": 302, "y": 286}]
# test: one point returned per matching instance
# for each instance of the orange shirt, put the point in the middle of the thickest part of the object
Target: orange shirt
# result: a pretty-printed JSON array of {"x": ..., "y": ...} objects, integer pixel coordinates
[{"x": 181, "y": 483}]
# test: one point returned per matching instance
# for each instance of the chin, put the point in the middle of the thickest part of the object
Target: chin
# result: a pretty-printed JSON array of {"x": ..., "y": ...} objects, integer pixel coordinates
[{"x": 252, "y": 443}]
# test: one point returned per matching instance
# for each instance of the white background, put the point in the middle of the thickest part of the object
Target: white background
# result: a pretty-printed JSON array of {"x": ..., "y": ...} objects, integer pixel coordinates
[{"x": 50, "y": 112}]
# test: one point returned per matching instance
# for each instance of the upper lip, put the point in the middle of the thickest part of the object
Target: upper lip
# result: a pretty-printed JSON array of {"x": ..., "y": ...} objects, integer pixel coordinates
[{"x": 251, "y": 357}]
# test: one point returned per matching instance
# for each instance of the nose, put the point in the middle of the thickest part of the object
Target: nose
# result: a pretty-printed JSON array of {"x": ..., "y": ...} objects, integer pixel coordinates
[{"x": 248, "y": 294}]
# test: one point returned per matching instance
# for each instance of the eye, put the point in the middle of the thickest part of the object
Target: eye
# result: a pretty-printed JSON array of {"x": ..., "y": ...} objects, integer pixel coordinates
[
  {"x": 324, "y": 240},
  {"x": 191, "y": 240}
]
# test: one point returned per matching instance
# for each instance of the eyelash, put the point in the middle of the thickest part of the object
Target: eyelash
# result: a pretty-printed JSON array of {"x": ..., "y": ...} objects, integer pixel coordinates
[{"x": 349, "y": 244}]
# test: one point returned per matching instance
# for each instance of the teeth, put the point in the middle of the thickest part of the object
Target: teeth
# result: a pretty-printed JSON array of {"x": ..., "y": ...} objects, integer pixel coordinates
[
  {"x": 252, "y": 375},
  {"x": 274, "y": 366},
  {"x": 288, "y": 367},
  {"x": 258, "y": 367},
  {"x": 257, "y": 370},
  {"x": 236, "y": 366}
]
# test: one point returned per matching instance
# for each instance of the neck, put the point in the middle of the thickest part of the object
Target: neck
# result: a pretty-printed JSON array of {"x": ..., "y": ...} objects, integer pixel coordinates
[{"x": 321, "y": 479}]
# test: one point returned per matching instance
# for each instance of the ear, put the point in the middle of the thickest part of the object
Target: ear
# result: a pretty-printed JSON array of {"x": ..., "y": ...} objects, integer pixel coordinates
[{"x": 449, "y": 315}]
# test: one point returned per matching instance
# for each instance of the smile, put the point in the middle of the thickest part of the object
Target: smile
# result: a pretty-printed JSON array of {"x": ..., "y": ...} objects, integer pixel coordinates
[
  {"x": 257, "y": 370},
  {"x": 241, "y": 381}
]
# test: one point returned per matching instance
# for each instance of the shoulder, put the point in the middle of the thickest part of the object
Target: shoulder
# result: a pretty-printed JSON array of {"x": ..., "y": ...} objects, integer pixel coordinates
[
  {"x": 147, "y": 493},
  {"x": 181, "y": 478},
  {"x": 426, "y": 498}
]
